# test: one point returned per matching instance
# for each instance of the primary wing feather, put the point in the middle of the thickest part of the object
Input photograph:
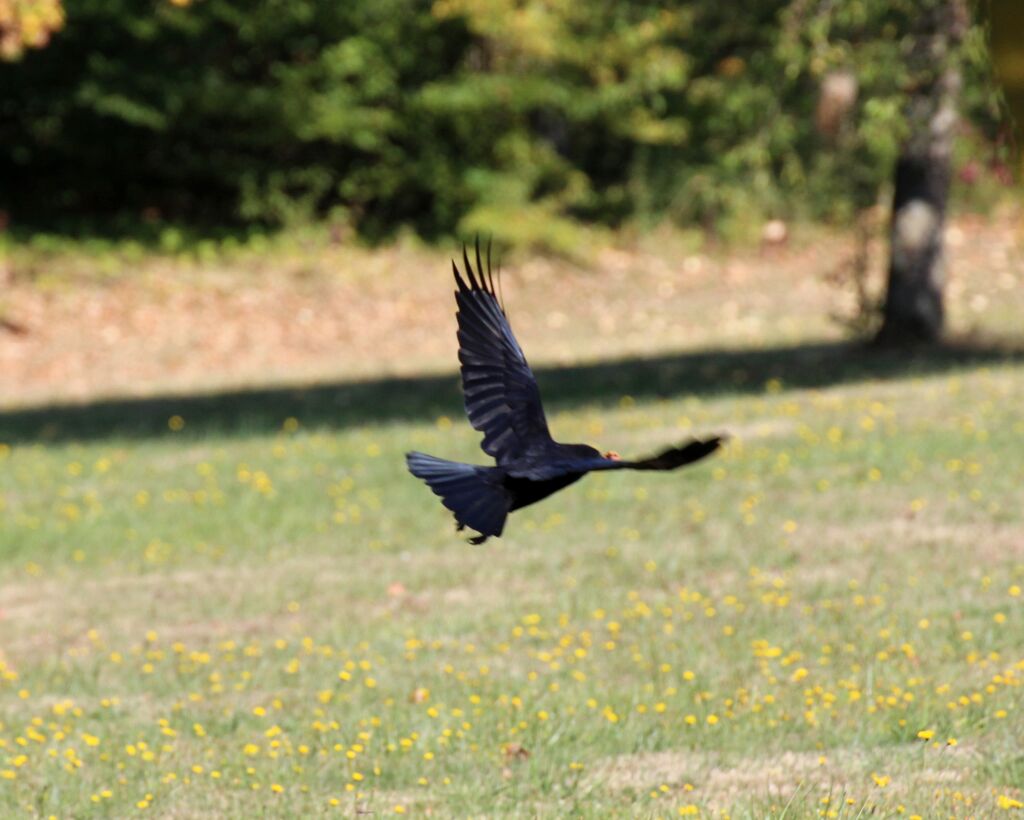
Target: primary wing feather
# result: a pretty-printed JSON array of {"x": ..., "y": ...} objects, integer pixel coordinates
[{"x": 501, "y": 395}]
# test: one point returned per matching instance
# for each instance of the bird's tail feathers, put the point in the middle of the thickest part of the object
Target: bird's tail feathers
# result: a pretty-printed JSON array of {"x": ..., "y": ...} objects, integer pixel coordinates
[{"x": 474, "y": 494}]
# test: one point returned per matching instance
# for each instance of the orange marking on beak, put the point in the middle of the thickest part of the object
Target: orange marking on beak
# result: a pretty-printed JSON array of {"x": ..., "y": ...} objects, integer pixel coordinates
[{"x": 611, "y": 455}]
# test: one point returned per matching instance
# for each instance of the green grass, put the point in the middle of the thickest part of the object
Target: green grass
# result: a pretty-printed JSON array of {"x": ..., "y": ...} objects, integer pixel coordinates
[{"x": 262, "y": 614}]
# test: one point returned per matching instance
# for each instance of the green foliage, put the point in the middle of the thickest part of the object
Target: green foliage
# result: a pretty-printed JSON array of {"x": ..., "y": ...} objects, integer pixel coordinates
[
  {"x": 225, "y": 110},
  {"x": 521, "y": 119}
]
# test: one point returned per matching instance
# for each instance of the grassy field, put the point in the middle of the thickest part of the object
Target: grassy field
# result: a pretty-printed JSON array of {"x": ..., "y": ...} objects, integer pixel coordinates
[{"x": 241, "y": 605}]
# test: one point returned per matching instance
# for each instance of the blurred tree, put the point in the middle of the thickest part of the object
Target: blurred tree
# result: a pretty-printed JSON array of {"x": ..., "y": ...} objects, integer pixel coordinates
[
  {"x": 520, "y": 118},
  {"x": 913, "y": 309},
  {"x": 573, "y": 101},
  {"x": 23, "y": 24},
  {"x": 27, "y": 24},
  {"x": 225, "y": 111},
  {"x": 1006, "y": 35}
]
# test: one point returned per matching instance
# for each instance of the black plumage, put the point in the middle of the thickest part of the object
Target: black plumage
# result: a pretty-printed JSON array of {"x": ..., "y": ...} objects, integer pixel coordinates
[{"x": 503, "y": 402}]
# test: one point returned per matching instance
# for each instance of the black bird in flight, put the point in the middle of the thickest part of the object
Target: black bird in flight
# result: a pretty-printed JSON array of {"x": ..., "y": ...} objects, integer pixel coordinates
[{"x": 503, "y": 402}]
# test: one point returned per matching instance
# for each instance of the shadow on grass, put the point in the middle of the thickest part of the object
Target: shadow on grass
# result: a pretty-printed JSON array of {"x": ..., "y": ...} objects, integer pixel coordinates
[{"x": 344, "y": 404}]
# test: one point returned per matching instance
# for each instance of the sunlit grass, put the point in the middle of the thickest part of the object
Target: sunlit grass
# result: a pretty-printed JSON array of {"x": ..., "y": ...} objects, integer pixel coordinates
[{"x": 825, "y": 620}]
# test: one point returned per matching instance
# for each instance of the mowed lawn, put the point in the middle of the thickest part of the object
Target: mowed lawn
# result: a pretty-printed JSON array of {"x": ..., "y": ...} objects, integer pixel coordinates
[{"x": 245, "y": 607}]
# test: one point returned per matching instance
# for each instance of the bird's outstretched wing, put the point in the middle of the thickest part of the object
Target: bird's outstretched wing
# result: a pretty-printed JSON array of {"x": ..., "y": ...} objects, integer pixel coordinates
[
  {"x": 670, "y": 459},
  {"x": 501, "y": 395}
]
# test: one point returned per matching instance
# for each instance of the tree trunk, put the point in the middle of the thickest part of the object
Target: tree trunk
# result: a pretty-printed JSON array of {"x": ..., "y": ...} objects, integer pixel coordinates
[{"x": 913, "y": 310}]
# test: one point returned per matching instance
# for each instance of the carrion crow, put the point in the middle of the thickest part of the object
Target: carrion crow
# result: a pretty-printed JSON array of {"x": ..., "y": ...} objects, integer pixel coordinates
[{"x": 503, "y": 402}]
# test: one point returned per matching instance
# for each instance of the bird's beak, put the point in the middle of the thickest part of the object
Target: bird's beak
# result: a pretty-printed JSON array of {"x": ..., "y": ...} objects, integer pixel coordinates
[{"x": 611, "y": 455}]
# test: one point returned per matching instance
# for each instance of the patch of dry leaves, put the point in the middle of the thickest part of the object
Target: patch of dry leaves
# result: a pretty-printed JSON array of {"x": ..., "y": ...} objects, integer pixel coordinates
[{"x": 338, "y": 312}]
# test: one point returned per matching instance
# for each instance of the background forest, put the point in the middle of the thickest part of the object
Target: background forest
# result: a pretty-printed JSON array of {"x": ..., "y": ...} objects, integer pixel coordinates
[{"x": 521, "y": 120}]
